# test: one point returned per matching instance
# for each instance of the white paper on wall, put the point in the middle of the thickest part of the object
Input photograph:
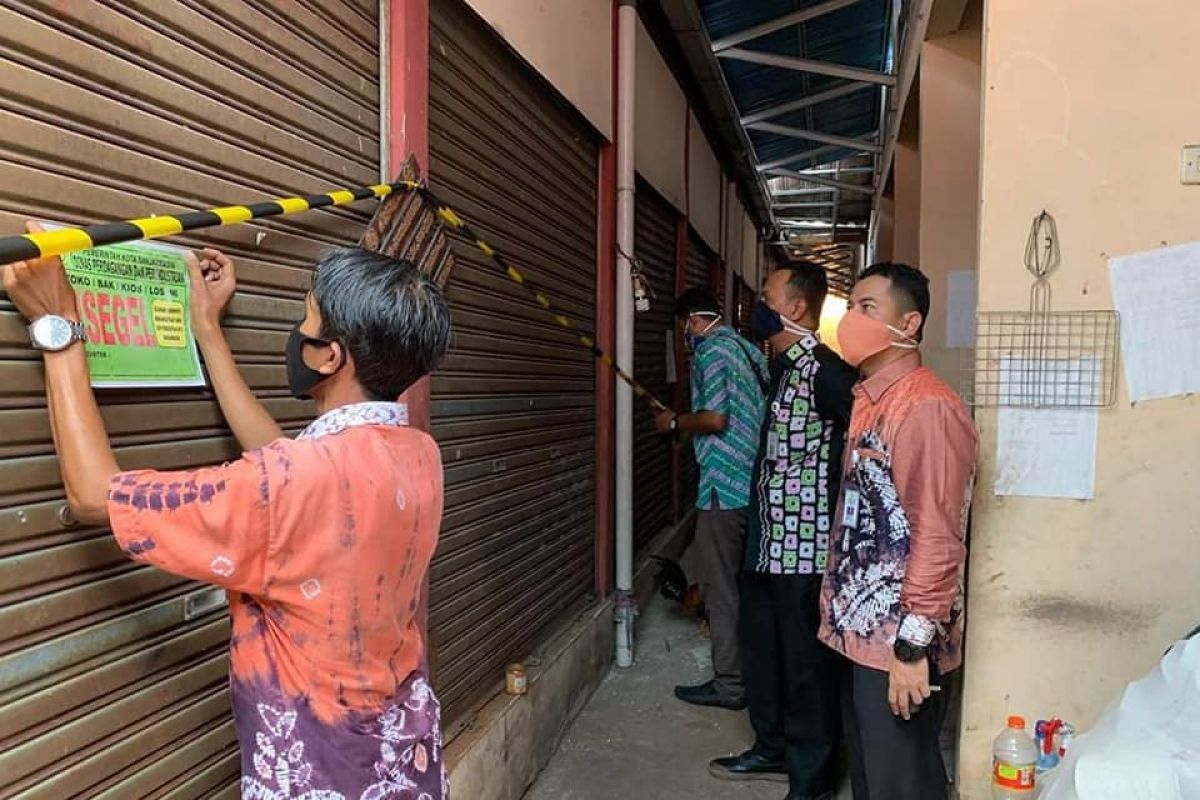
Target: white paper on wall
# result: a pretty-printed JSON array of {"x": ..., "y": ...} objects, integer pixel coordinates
[
  {"x": 1048, "y": 451},
  {"x": 1157, "y": 294}
]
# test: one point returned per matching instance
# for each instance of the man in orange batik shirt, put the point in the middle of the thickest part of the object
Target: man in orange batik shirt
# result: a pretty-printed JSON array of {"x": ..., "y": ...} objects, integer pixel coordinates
[
  {"x": 323, "y": 542},
  {"x": 892, "y": 599}
]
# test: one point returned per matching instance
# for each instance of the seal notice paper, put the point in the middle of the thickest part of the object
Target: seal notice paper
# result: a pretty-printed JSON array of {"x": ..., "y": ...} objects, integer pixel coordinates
[{"x": 134, "y": 305}]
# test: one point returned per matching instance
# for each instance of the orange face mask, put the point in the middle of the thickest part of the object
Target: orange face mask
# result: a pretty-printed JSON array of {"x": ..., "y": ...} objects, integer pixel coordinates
[{"x": 861, "y": 337}]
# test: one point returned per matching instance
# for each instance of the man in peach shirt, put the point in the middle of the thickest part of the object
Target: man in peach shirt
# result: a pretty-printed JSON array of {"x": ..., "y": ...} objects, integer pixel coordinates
[
  {"x": 323, "y": 543},
  {"x": 892, "y": 599}
]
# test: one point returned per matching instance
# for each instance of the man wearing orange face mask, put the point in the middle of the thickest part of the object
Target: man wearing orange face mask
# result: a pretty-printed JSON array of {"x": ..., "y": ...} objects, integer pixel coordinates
[{"x": 892, "y": 599}]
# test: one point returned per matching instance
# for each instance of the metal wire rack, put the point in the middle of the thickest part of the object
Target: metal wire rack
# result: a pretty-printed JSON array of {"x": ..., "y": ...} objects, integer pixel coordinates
[{"x": 1055, "y": 359}]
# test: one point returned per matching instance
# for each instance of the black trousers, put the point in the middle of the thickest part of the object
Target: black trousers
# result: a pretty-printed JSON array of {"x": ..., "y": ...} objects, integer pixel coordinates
[
  {"x": 791, "y": 678},
  {"x": 890, "y": 758}
]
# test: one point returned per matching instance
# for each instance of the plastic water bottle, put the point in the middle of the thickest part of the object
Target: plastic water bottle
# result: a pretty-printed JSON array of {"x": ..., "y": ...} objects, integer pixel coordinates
[{"x": 1014, "y": 762}]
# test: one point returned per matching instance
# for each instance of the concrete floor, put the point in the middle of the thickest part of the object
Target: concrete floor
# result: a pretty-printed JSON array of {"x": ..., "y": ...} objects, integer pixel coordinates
[{"x": 635, "y": 740}]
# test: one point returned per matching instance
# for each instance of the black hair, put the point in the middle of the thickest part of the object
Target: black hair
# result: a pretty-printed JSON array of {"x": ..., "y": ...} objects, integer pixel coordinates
[
  {"x": 809, "y": 281},
  {"x": 697, "y": 300},
  {"x": 391, "y": 317},
  {"x": 909, "y": 286}
]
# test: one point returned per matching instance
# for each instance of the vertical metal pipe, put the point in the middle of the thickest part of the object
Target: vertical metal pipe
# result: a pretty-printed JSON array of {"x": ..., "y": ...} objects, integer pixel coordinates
[{"x": 626, "y": 47}]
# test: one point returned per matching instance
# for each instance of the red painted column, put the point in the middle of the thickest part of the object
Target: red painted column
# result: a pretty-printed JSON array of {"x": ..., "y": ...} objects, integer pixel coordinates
[
  {"x": 606, "y": 339},
  {"x": 606, "y": 390},
  {"x": 408, "y": 125},
  {"x": 408, "y": 134},
  {"x": 679, "y": 396}
]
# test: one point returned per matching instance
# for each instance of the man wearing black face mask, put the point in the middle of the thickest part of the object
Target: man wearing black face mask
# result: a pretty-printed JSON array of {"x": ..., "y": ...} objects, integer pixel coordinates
[
  {"x": 791, "y": 681},
  {"x": 322, "y": 542}
]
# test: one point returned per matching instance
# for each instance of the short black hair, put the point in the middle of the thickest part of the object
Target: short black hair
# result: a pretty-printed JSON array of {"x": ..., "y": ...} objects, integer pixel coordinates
[
  {"x": 909, "y": 286},
  {"x": 391, "y": 317},
  {"x": 809, "y": 281},
  {"x": 697, "y": 300}
]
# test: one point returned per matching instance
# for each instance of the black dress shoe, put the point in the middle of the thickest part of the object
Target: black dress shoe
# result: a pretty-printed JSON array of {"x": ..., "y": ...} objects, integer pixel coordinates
[
  {"x": 821, "y": 796},
  {"x": 749, "y": 766},
  {"x": 708, "y": 695}
]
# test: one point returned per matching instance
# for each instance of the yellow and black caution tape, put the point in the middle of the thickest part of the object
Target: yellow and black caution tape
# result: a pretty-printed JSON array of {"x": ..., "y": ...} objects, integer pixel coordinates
[
  {"x": 453, "y": 220},
  {"x": 70, "y": 240}
]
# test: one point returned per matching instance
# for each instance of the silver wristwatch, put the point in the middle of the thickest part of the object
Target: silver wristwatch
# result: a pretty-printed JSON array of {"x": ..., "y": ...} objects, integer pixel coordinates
[{"x": 53, "y": 333}]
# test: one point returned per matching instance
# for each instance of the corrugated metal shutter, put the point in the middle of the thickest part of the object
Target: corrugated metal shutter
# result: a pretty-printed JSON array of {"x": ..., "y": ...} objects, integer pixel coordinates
[
  {"x": 699, "y": 266},
  {"x": 514, "y": 407},
  {"x": 113, "y": 676},
  {"x": 655, "y": 243}
]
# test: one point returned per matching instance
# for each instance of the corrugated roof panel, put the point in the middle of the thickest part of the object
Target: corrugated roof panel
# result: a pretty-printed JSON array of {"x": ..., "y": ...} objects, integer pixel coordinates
[{"x": 854, "y": 36}]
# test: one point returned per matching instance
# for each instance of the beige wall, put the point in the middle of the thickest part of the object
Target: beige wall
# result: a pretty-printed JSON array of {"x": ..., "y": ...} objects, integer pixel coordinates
[
  {"x": 949, "y": 221},
  {"x": 906, "y": 220},
  {"x": 1085, "y": 113},
  {"x": 750, "y": 253},
  {"x": 734, "y": 225},
  {"x": 704, "y": 186},
  {"x": 733, "y": 244},
  {"x": 568, "y": 41},
  {"x": 661, "y": 118},
  {"x": 885, "y": 230}
]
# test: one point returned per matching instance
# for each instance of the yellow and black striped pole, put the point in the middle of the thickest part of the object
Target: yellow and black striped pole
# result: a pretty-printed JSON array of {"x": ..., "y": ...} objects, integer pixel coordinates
[{"x": 71, "y": 240}]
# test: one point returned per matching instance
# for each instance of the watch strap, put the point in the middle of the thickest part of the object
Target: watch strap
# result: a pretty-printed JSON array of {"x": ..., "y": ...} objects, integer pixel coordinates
[
  {"x": 78, "y": 332},
  {"x": 909, "y": 653}
]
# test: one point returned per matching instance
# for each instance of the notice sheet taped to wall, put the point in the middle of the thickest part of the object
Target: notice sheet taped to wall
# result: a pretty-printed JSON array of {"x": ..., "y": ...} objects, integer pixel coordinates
[{"x": 134, "y": 302}]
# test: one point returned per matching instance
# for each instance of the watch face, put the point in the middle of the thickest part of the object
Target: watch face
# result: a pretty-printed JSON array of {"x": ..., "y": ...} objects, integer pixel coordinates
[{"x": 52, "y": 333}]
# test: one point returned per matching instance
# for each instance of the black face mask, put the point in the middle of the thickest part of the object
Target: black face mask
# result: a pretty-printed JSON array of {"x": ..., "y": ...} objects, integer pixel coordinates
[
  {"x": 302, "y": 378},
  {"x": 765, "y": 322}
]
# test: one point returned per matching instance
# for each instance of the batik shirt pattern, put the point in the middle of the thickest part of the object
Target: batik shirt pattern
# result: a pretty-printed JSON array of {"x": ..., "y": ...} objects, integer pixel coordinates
[
  {"x": 322, "y": 545},
  {"x": 898, "y": 553},
  {"x": 795, "y": 480},
  {"x": 727, "y": 377}
]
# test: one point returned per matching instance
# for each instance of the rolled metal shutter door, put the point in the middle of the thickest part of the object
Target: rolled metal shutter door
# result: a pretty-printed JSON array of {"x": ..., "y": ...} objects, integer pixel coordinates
[
  {"x": 514, "y": 406},
  {"x": 113, "y": 676},
  {"x": 655, "y": 236}
]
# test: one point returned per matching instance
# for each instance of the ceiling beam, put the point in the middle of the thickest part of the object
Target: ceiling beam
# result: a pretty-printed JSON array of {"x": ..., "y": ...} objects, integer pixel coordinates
[
  {"x": 863, "y": 170},
  {"x": 801, "y": 192},
  {"x": 807, "y": 102},
  {"x": 809, "y": 65},
  {"x": 814, "y": 204},
  {"x": 840, "y": 185},
  {"x": 780, "y": 23},
  {"x": 807, "y": 154},
  {"x": 910, "y": 56},
  {"x": 861, "y": 145},
  {"x": 821, "y": 224}
]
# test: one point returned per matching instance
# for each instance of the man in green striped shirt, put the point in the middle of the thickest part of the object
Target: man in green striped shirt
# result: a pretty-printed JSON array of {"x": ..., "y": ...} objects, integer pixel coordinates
[{"x": 728, "y": 379}]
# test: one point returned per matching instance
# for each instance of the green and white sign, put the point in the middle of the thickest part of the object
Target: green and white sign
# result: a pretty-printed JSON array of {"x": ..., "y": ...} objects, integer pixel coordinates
[{"x": 134, "y": 304}]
